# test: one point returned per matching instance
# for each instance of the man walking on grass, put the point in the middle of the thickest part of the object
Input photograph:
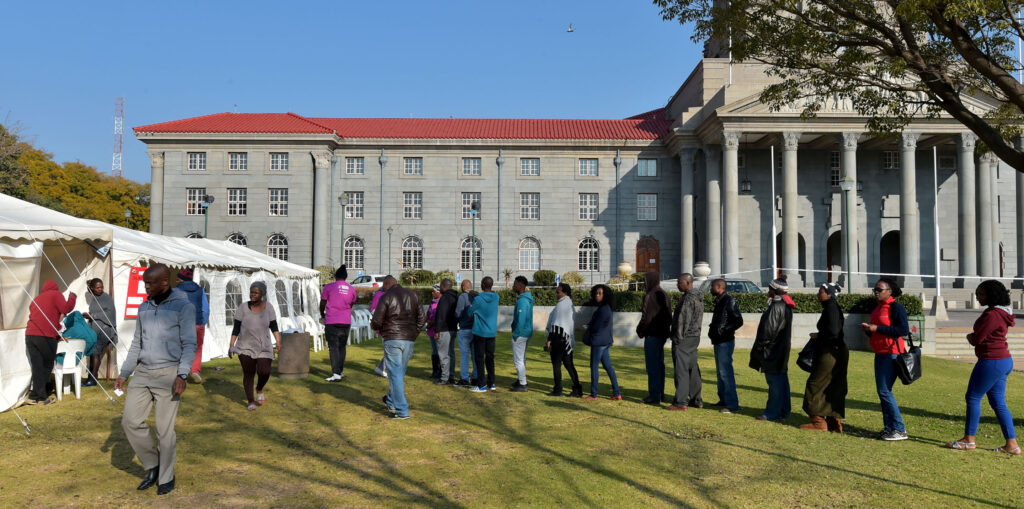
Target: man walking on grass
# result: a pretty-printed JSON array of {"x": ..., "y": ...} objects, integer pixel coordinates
[
  {"x": 399, "y": 317},
  {"x": 522, "y": 331},
  {"x": 685, "y": 339},
  {"x": 485, "y": 328},
  {"x": 725, "y": 321}
]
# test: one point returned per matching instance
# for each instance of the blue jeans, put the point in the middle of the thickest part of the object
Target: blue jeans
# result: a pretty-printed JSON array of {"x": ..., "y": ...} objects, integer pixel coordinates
[
  {"x": 397, "y": 353},
  {"x": 600, "y": 356},
  {"x": 989, "y": 377},
  {"x": 885, "y": 376},
  {"x": 778, "y": 406},
  {"x": 466, "y": 355},
  {"x": 726, "y": 377},
  {"x": 654, "y": 357}
]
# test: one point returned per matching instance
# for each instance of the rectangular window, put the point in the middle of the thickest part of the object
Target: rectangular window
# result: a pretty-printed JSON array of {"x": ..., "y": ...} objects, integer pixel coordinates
[
  {"x": 197, "y": 161},
  {"x": 412, "y": 205},
  {"x": 467, "y": 204},
  {"x": 646, "y": 207},
  {"x": 588, "y": 206},
  {"x": 890, "y": 160},
  {"x": 529, "y": 167},
  {"x": 471, "y": 166},
  {"x": 237, "y": 198},
  {"x": 279, "y": 161},
  {"x": 354, "y": 209},
  {"x": 194, "y": 201},
  {"x": 279, "y": 201},
  {"x": 647, "y": 167},
  {"x": 835, "y": 168},
  {"x": 413, "y": 165},
  {"x": 238, "y": 161},
  {"x": 354, "y": 166},
  {"x": 529, "y": 206},
  {"x": 588, "y": 167}
]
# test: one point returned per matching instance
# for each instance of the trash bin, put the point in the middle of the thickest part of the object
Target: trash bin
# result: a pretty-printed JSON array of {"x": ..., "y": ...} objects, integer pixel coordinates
[{"x": 293, "y": 359}]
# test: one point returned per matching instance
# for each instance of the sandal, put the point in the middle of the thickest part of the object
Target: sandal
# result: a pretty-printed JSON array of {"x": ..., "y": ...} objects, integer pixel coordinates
[
  {"x": 960, "y": 445},
  {"x": 251, "y": 407},
  {"x": 1013, "y": 452},
  {"x": 260, "y": 398}
]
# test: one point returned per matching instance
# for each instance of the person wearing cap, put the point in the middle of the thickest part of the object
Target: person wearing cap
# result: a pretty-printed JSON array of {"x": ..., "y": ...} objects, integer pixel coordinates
[
  {"x": 888, "y": 327},
  {"x": 255, "y": 321},
  {"x": 770, "y": 353},
  {"x": 336, "y": 301},
  {"x": 198, "y": 298},
  {"x": 825, "y": 393},
  {"x": 435, "y": 359}
]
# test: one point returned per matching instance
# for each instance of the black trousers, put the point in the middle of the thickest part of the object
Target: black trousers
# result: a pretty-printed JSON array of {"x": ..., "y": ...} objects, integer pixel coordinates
[
  {"x": 337, "y": 339},
  {"x": 483, "y": 356},
  {"x": 561, "y": 357},
  {"x": 41, "y": 353},
  {"x": 251, "y": 368}
]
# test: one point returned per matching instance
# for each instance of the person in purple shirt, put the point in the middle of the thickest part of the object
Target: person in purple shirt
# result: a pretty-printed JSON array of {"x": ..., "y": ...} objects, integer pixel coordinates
[{"x": 336, "y": 302}]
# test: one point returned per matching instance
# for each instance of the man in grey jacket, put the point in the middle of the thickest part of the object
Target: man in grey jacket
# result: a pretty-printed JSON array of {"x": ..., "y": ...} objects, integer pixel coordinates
[
  {"x": 686, "y": 321},
  {"x": 161, "y": 358}
]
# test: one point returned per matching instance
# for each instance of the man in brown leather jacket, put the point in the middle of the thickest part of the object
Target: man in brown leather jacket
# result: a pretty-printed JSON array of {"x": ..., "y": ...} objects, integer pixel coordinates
[{"x": 399, "y": 317}]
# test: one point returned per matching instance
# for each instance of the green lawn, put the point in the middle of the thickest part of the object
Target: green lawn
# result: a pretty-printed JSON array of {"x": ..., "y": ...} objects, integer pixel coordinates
[{"x": 316, "y": 444}]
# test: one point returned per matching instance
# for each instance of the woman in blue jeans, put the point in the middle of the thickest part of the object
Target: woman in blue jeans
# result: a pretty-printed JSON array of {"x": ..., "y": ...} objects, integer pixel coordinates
[
  {"x": 887, "y": 329},
  {"x": 599, "y": 337},
  {"x": 993, "y": 366}
]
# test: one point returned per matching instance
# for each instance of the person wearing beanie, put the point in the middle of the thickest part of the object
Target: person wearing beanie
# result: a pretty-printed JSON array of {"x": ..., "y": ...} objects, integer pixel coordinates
[
  {"x": 336, "y": 303},
  {"x": 726, "y": 319},
  {"x": 197, "y": 296},
  {"x": 825, "y": 393},
  {"x": 770, "y": 353},
  {"x": 888, "y": 327}
]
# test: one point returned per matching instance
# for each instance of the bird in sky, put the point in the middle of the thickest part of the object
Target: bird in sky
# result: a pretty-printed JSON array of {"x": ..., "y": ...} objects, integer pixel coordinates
[{"x": 571, "y": 29}]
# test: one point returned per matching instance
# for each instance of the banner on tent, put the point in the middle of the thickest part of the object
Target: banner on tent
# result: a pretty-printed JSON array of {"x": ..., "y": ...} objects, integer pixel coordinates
[{"x": 136, "y": 293}]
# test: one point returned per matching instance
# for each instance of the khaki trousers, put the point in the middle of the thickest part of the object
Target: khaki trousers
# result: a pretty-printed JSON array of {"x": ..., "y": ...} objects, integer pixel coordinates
[{"x": 149, "y": 388}]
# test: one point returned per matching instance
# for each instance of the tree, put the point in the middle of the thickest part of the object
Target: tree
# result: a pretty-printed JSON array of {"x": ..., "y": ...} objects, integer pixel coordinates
[
  {"x": 892, "y": 60},
  {"x": 13, "y": 175}
]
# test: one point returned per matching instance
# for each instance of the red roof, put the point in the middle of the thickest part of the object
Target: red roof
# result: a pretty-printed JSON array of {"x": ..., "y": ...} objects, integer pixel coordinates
[{"x": 642, "y": 127}]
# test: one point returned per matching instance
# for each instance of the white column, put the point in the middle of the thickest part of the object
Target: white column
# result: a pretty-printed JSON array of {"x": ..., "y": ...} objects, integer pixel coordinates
[
  {"x": 1019, "y": 225},
  {"x": 156, "y": 193},
  {"x": 790, "y": 208},
  {"x": 851, "y": 240},
  {"x": 983, "y": 199},
  {"x": 321, "y": 195},
  {"x": 714, "y": 208},
  {"x": 994, "y": 200},
  {"x": 731, "y": 201},
  {"x": 686, "y": 170},
  {"x": 910, "y": 222},
  {"x": 967, "y": 232}
]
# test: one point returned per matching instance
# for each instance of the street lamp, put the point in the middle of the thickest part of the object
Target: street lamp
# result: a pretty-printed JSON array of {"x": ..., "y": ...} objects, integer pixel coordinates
[
  {"x": 591, "y": 232},
  {"x": 847, "y": 186},
  {"x": 207, "y": 201},
  {"x": 474, "y": 209},
  {"x": 127, "y": 214},
  {"x": 389, "y": 248},
  {"x": 343, "y": 200}
]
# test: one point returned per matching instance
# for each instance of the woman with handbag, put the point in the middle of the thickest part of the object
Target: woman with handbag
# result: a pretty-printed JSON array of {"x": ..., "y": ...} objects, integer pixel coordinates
[
  {"x": 825, "y": 393},
  {"x": 887, "y": 329},
  {"x": 599, "y": 338},
  {"x": 993, "y": 366}
]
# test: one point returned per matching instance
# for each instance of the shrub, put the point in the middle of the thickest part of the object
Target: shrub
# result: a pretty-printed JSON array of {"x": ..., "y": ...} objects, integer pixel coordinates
[
  {"x": 573, "y": 279},
  {"x": 416, "y": 277},
  {"x": 544, "y": 278},
  {"x": 326, "y": 274},
  {"x": 445, "y": 274}
]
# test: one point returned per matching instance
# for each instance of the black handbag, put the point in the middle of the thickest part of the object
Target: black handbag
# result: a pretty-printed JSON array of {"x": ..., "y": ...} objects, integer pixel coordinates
[
  {"x": 805, "y": 359},
  {"x": 908, "y": 364}
]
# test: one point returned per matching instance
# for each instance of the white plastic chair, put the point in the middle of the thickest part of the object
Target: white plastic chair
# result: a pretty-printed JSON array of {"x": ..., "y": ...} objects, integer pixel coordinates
[
  {"x": 361, "y": 329},
  {"x": 70, "y": 348}
]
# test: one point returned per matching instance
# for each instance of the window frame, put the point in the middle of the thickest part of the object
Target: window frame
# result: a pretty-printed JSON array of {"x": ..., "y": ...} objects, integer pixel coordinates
[
  {"x": 596, "y": 169},
  {"x": 199, "y": 163},
  {"x": 194, "y": 205},
  {"x": 466, "y": 253},
  {"x": 416, "y": 169},
  {"x": 467, "y": 208},
  {"x": 640, "y": 207},
  {"x": 529, "y": 172},
  {"x": 477, "y": 171},
  {"x": 412, "y": 211},
  {"x": 356, "y": 252},
  {"x": 588, "y": 258},
  {"x": 529, "y": 251},
  {"x": 585, "y": 209},
  {"x": 355, "y": 166},
  {"x": 356, "y": 207},
  {"x": 525, "y": 208},
  {"x": 282, "y": 205},
  {"x": 276, "y": 160},
  {"x": 238, "y": 235},
  {"x": 412, "y": 254},
  {"x": 640, "y": 167},
  {"x": 242, "y": 162},
  {"x": 278, "y": 249},
  {"x": 238, "y": 206}
]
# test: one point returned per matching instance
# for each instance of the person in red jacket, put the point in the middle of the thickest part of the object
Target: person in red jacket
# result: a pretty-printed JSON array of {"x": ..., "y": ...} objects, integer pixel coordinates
[
  {"x": 993, "y": 366},
  {"x": 41, "y": 333},
  {"x": 887, "y": 329}
]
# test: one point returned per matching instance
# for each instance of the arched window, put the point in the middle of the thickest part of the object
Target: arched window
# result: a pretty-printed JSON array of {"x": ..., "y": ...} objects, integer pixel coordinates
[
  {"x": 412, "y": 253},
  {"x": 237, "y": 238},
  {"x": 277, "y": 246},
  {"x": 529, "y": 254},
  {"x": 588, "y": 255},
  {"x": 470, "y": 254},
  {"x": 232, "y": 299},
  {"x": 354, "y": 253},
  {"x": 194, "y": 235},
  {"x": 282, "y": 298}
]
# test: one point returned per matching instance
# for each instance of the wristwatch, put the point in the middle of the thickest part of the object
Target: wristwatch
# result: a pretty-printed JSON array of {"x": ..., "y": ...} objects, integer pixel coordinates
[{"x": 183, "y": 377}]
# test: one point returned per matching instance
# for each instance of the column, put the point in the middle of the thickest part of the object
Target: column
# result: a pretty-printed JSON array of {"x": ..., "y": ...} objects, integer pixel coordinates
[
  {"x": 321, "y": 206},
  {"x": 714, "y": 209},
  {"x": 1019, "y": 225},
  {"x": 790, "y": 209},
  {"x": 156, "y": 193},
  {"x": 994, "y": 200},
  {"x": 967, "y": 233},
  {"x": 731, "y": 201},
  {"x": 686, "y": 171},
  {"x": 910, "y": 223},
  {"x": 982, "y": 198},
  {"x": 851, "y": 248}
]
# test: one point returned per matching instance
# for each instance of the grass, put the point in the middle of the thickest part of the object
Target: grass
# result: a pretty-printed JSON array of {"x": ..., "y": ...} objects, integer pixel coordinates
[{"x": 316, "y": 444}]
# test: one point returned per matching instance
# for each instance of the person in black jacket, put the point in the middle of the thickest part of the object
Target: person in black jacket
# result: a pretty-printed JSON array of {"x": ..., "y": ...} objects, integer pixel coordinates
[
  {"x": 655, "y": 322},
  {"x": 725, "y": 321},
  {"x": 686, "y": 321},
  {"x": 825, "y": 394},
  {"x": 599, "y": 337},
  {"x": 447, "y": 326},
  {"x": 770, "y": 353}
]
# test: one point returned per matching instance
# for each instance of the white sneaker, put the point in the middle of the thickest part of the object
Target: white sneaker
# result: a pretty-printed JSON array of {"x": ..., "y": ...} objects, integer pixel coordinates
[{"x": 332, "y": 378}]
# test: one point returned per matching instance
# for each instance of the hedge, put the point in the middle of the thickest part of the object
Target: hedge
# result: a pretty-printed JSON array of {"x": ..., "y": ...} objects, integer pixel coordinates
[{"x": 544, "y": 278}]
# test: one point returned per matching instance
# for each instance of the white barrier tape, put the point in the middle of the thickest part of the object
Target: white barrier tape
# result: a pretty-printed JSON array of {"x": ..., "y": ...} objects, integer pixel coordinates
[{"x": 891, "y": 274}]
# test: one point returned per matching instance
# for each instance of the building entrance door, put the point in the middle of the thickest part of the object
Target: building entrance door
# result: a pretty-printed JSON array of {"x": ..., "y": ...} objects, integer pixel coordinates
[{"x": 648, "y": 255}]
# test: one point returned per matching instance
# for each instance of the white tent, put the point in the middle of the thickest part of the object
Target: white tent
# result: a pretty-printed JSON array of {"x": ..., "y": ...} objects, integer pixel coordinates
[{"x": 37, "y": 244}]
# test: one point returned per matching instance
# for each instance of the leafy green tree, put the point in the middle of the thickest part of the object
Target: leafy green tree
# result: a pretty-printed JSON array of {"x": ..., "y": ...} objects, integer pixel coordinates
[
  {"x": 891, "y": 60},
  {"x": 13, "y": 175}
]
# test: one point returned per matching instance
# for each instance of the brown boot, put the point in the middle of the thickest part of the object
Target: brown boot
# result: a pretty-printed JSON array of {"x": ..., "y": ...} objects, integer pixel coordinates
[
  {"x": 816, "y": 424},
  {"x": 835, "y": 424}
]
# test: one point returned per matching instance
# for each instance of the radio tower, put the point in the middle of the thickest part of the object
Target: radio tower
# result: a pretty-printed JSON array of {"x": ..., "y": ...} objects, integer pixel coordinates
[{"x": 115, "y": 167}]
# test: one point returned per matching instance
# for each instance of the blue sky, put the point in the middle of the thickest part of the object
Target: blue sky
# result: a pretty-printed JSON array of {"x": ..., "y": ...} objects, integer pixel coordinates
[{"x": 67, "y": 62}]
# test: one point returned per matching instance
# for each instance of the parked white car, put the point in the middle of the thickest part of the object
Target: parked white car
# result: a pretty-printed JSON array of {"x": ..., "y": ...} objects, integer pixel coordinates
[{"x": 368, "y": 281}]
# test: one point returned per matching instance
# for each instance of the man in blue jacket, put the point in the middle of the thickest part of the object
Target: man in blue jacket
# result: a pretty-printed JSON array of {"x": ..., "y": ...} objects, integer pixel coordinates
[
  {"x": 522, "y": 330},
  {"x": 485, "y": 328},
  {"x": 197, "y": 297}
]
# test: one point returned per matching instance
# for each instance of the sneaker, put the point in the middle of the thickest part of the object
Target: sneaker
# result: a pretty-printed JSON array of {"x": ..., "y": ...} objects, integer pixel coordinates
[
  {"x": 333, "y": 378},
  {"x": 727, "y": 410},
  {"x": 390, "y": 408},
  {"x": 89, "y": 383},
  {"x": 894, "y": 435},
  {"x": 718, "y": 404},
  {"x": 260, "y": 398},
  {"x": 556, "y": 393},
  {"x": 591, "y": 398},
  {"x": 617, "y": 397},
  {"x": 462, "y": 383},
  {"x": 397, "y": 417},
  {"x": 678, "y": 408},
  {"x": 46, "y": 401},
  {"x": 196, "y": 378},
  {"x": 251, "y": 407},
  {"x": 494, "y": 388},
  {"x": 697, "y": 405},
  {"x": 380, "y": 372},
  {"x": 519, "y": 388},
  {"x": 478, "y": 389},
  {"x": 440, "y": 382}
]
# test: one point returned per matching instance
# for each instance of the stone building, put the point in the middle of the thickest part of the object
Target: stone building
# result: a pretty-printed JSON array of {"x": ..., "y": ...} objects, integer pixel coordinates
[{"x": 690, "y": 181}]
